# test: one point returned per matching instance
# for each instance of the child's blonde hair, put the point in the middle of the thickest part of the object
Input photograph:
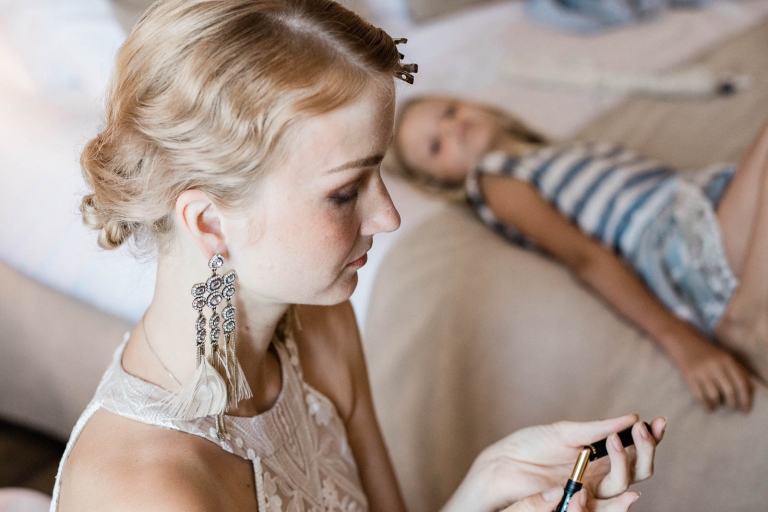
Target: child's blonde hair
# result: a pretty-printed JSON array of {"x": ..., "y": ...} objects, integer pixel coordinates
[
  {"x": 395, "y": 163},
  {"x": 204, "y": 94}
]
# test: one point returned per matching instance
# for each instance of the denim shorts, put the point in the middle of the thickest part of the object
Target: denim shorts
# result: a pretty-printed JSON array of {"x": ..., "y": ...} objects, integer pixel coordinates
[{"x": 681, "y": 257}]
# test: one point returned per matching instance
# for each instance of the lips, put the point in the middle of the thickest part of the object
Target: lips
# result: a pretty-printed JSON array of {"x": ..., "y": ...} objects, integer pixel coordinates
[{"x": 359, "y": 262}]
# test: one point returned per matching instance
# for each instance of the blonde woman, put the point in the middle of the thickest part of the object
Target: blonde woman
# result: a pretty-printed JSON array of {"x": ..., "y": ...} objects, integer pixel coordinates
[
  {"x": 681, "y": 257},
  {"x": 243, "y": 140}
]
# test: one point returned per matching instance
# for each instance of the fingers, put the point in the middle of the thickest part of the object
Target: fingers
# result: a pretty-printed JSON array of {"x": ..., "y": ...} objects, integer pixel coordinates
[
  {"x": 698, "y": 393},
  {"x": 618, "y": 479},
  {"x": 658, "y": 428},
  {"x": 621, "y": 474},
  {"x": 580, "y": 434},
  {"x": 723, "y": 381},
  {"x": 645, "y": 446},
  {"x": 743, "y": 386},
  {"x": 543, "y": 502},
  {"x": 709, "y": 392},
  {"x": 727, "y": 388}
]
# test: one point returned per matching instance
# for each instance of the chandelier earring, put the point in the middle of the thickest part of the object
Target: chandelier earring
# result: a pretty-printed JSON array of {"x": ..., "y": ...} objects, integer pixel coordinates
[{"x": 205, "y": 394}]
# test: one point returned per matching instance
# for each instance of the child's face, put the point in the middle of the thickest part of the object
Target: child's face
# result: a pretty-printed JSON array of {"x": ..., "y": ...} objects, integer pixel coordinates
[
  {"x": 446, "y": 138},
  {"x": 313, "y": 223}
]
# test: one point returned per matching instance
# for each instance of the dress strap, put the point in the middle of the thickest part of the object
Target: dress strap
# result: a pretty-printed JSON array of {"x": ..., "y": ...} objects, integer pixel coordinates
[{"x": 76, "y": 431}]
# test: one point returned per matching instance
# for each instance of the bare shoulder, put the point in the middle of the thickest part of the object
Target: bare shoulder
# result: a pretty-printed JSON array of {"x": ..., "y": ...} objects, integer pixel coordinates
[
  {"x": 331, "y": 353},
  {"x": 119, "y": 464},
  {"x": 504, "y": 192}
]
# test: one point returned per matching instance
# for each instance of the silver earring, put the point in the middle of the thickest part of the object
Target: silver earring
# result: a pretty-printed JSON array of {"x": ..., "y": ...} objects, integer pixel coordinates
[
  {"x": 238, "y": 385},
  {"x": 214, "y": 286},
  {"x": 205, "y": 394}
]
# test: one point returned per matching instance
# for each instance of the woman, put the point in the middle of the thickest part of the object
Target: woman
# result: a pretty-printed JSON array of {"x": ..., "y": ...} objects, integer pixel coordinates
[
  {"x": 244, "y": 138},
  {"x": 683, "y": 258}
]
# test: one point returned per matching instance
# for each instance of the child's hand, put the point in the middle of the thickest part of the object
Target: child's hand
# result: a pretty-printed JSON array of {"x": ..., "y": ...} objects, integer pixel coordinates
[{"x": 714, "y": 376}]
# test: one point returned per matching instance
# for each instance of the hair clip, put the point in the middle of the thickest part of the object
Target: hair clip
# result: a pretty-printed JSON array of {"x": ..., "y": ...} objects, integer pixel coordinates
[{"x": 405, "y": 71}]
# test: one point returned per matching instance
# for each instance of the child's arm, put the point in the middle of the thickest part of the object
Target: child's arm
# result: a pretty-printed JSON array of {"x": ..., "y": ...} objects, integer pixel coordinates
[{"x": 710, "y": 372}]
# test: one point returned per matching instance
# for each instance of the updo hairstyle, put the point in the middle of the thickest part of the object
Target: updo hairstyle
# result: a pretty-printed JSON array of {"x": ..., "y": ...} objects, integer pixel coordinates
[{"x": 205, "y": 94}]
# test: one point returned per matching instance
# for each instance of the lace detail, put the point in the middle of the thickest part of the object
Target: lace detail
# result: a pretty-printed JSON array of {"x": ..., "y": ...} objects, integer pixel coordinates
[{"x": 301, "y": 457}]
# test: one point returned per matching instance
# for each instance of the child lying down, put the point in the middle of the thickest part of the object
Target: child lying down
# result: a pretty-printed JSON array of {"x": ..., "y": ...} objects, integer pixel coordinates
[{"x": 682, "y": 255}]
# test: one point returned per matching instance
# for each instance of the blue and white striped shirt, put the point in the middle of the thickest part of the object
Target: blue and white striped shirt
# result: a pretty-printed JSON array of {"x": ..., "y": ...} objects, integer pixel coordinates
[{"x": 607, "y": 191}]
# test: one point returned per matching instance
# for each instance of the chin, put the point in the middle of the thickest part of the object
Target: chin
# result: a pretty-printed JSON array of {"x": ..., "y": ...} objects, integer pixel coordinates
[{"x": 340, "y": 291}]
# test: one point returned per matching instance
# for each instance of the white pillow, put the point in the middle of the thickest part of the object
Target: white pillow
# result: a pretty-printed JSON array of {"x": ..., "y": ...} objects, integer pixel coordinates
[{"x": 390, "y": 13}]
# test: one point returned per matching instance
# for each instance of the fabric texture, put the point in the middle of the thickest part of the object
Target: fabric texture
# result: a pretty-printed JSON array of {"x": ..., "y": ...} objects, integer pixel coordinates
[
  {"x": 589, "y": 16},
  {"x": 682, "y": 259},
  {"x": 299, "y": 450},
  {"x": 609, "y": 192},
  {"x": 661, "y": 222}
]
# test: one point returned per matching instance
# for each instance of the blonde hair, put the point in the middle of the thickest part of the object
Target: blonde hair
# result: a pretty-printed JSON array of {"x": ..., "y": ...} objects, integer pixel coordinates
[
  {"x": 454, "y": 190},
  {"x": 204, "y": 94}
]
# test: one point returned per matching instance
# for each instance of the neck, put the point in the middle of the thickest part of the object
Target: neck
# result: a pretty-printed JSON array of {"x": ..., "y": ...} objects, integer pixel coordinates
[
  {"x": 513, "y": 145},
  {"x": 170, "y": 319}
]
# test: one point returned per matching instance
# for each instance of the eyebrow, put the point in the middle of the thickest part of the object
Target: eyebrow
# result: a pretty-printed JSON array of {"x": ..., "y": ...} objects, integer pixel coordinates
[{"x": 358, "y": 164}]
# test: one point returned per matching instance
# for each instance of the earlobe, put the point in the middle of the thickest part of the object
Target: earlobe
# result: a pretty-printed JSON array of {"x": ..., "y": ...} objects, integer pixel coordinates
[{"x": 200, "y": 220}]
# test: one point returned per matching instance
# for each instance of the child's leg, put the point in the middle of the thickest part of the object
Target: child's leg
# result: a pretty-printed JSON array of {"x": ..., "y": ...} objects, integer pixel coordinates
[
  {"x": 743, "y": 217},
  {"x": 738, "y": 210}
]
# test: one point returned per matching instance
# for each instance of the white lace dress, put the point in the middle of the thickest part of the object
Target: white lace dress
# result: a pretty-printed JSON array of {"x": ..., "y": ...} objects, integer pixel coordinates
[{"x": 301, "y": 459}]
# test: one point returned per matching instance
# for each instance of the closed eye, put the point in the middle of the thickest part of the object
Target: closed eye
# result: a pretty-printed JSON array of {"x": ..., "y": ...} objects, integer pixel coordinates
[
  {"x": 434, "y": 147},
  {"x": 342, "y": 198}
]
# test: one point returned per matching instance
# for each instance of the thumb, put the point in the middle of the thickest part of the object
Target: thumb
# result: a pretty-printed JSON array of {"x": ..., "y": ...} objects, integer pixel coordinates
[{"x": 543, "y": 502}]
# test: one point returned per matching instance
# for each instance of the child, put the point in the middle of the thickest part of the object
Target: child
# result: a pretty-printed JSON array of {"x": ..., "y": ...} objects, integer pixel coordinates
[{"x": 681, "y": 257}]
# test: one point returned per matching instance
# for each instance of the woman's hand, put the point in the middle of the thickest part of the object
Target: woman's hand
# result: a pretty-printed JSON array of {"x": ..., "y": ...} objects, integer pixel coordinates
[
  {"x": 526, "y": 463},
  {"x": 713, "y": 375},
  {"x": 548, "y": 500}
]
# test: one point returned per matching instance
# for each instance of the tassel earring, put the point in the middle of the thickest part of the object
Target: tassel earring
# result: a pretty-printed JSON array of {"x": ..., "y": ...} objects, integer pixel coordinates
[
  {"x": 214, "y": 286},
  {"x": 238, "y": 385},
  {"x": 205, "y": 394}
]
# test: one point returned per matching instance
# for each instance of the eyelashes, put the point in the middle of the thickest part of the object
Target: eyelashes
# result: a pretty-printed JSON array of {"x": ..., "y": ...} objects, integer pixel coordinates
[
  {"x": 435, "y": 145},
  {"x": 347, "y": 193},
  {"x": 341, "y": 199}
]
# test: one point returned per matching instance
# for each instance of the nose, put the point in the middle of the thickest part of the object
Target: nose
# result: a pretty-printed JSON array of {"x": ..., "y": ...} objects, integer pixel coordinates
[
  {"x": 451, "y": 128},
  {"x": 381, "y": 215}
]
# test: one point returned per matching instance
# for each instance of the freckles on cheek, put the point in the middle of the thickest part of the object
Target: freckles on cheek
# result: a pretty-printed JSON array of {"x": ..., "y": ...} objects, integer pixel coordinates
[{"x": 312, "y": 237}]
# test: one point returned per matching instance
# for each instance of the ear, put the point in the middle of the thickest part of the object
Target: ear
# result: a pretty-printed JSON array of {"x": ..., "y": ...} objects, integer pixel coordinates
[{"x": 201, "y": 220}]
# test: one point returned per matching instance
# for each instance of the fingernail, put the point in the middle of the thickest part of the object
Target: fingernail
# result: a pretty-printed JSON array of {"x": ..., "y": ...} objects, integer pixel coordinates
[
  {"x": 616, "y": 442},
  {"x": 636, "y": 498},
  {"x": 553, "y": 494},
  {"x": 583, "y": 497},
  {"x": 644, "y": 431},
  {"x": 664, "y": 426}
]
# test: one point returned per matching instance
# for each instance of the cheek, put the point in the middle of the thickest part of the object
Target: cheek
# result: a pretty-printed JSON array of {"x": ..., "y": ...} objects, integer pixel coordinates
[
  {"x": 305, "y": 252},
  {"x": 458, "y": 156}
]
